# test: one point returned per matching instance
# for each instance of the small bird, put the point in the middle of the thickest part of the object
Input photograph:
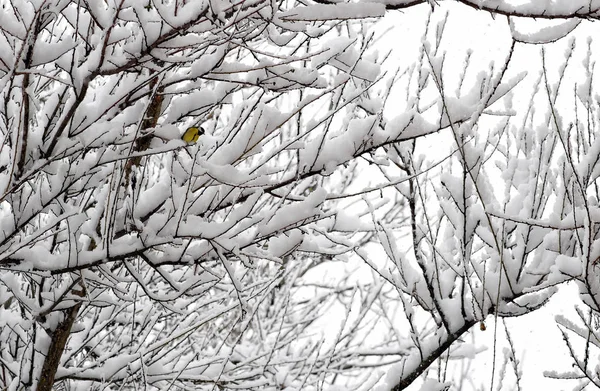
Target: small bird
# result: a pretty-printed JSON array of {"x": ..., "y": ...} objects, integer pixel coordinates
[{"x": 192, "y": 134}]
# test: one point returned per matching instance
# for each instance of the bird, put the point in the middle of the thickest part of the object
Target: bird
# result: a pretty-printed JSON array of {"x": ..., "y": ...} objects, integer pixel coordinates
[{"x": 192, "y": 134}]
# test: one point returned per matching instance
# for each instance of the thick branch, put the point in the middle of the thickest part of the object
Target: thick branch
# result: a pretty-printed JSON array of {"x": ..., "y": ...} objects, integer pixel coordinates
[
  {"x": 434, "y": 355},
  {"x": 506, "y": 10},
  {"x": 57, "y": 346}
]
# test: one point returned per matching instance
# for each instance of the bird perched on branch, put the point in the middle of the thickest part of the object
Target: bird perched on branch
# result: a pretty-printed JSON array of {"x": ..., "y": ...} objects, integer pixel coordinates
[{"x": 192, "y": 134}]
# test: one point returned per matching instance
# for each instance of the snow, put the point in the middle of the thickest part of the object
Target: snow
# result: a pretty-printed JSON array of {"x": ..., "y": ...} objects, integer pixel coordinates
[
  {"x": 208, "y": 63},
  {"x": 186, "y": 12},
  {"x": 565, "y": 266},
  {"x": 434, "y": 385},
  {"x": 342, "y": 54},
  {"x": 347, "y": 222},
  {"x": 395, "y": 372},
  {"x": 10, "y": 23},
  {"x": 317, "y": 12},
  {"x": 541, "y": 35},
  {"x": 335, "y": 149},
  {"x": 280, "y": 38},
  {"x": 542, "y": 7},
  {"x": 283, "y": 244},
  {"x": 289, "y": 215},
  {"x": 48, "y": 52}
]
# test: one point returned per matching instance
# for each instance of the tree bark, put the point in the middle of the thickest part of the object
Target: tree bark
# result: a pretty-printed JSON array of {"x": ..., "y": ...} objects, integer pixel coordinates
[
  {"x": 57, "y": 345},
  {"x": 434, "y": 355}
]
